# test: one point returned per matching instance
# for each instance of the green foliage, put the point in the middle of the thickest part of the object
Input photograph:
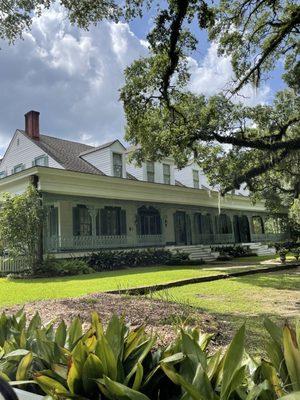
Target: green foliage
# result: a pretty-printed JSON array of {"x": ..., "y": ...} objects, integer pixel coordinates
[
  {"x": 68, "y": 267},
  {"x": 123, "y": 363},
  {"x": 234, "y": 251},
  {"x": 105, "y": 260},
  {"x": 21, "y": 219}
]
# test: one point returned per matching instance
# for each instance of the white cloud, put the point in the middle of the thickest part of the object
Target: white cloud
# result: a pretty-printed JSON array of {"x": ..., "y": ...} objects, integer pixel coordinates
[
  {"x": 73, "y": 78},
  {"x": 215, "y": 73}
]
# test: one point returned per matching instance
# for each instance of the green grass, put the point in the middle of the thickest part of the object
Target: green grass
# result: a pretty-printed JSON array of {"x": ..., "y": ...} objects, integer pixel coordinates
[
  {"x": 256, "y": 258},
  {"x": 247, "y": 298},
  {"x": 25, "y": 290}
]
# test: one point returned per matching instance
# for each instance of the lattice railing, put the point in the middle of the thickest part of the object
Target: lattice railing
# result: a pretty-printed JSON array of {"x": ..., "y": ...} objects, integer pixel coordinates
[
  {"x": 64, "y": 243},
  {"x": 149, "y": 240}
]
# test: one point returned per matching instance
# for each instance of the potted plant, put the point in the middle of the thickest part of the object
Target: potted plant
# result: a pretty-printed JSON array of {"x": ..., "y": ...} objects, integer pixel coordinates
[{"x": 282, "y": 254}]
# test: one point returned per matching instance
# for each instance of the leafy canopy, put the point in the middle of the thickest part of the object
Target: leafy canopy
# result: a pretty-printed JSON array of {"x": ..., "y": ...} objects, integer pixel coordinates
[
  {"x": 232, "y": 142},
  {"x": 21, "y": 218}
]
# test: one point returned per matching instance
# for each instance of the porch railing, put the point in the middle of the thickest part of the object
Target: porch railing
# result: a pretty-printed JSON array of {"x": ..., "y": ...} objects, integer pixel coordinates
[
  {"x": 269, "y": 237},
  {"x": 150, "y": 240},
  {"x": 64, "y": 244}
]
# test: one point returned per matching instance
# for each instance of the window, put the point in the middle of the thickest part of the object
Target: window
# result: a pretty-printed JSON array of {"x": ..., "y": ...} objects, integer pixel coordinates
[
  {"x": 224, "y": 225},
  {"x": 2, "y": 174},
  {"x": 203, "y": 224},
  {"x": 150, "y": 171},
  {"x": 118, "y": 165},
  {"x": 42, "y": 161},
  {"x": 18, "y": 168},
  {"x": 111, "y": 221},
  {"x": 149, "y": 221},
  {"x": 82, "y": 221},
  {"x": 167, "y": 174},
  {"x": 53, "y": 221},
  {"x": 258, "y": 225},
  {"x": 196, "y": 179}
]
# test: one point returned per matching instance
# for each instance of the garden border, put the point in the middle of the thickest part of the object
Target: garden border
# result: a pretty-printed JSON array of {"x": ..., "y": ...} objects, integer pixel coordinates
[{"x": 142, "y": 290}]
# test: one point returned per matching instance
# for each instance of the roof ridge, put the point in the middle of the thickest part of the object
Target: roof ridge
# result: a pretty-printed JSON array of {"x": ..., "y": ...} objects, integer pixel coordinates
[{"x": 67, "y": 140}]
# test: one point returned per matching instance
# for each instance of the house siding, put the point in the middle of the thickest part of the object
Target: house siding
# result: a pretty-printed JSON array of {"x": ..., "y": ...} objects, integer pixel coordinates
[
  {"x": 22, "y": 150},
  {"x": 103, "y": 158}
]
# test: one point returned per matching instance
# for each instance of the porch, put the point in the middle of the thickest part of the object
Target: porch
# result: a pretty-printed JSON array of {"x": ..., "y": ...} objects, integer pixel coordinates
[{"x": 83, "y": 225}]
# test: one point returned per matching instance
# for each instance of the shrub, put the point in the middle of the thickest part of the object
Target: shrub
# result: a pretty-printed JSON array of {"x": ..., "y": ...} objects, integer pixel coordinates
[
  {"x": 67, "y": 267},
  {"x": 115, "y": 259},
  {"x": 123, "y": 363},
  {"x": 21, "y": 220},
  {"x": 289, "y": 245},
  {"x": 233, "y": 251},
  {"x": 296, "y": 253},
  {"x": 178, "y": 258}
]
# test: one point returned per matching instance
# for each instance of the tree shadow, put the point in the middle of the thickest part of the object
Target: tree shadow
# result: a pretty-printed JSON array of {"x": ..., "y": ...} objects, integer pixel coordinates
[{"x": 281, "y": 280}]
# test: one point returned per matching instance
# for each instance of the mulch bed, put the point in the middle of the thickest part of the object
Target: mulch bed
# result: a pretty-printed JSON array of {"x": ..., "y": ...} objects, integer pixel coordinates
[{"x": 161, "y": 318}]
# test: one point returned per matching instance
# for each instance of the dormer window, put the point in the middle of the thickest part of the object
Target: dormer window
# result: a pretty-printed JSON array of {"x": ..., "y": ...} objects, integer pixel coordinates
[
  {"x": 18, "y": 168},
  {"x": 167, "y": 174},
  {"x": 41, "y": 161},
  {"x": 150, "y": 171},
  {"x": 196, "y": 181},
  {"x": 118, "y": 165}
]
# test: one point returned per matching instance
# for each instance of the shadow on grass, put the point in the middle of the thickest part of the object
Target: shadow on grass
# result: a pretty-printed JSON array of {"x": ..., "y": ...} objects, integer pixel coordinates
[
  {"x": 281, "y": 280},
  {"x": 122, "y": 272}
]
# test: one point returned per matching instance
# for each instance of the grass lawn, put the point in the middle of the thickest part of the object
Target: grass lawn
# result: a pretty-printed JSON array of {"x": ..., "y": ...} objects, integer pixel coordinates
[
  {"x": 247, "y": 298},
  {"x": 22, "y": 291}
]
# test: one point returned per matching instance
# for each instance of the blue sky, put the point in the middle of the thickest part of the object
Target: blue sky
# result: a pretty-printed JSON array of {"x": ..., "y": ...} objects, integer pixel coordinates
[{"x": 73, "y": 77}]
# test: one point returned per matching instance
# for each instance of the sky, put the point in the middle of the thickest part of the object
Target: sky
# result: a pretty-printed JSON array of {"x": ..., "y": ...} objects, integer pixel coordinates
[{"x": 72, "y": 77}]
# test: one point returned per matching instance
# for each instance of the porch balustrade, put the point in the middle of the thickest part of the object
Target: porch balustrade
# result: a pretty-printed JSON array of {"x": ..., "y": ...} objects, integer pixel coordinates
[
  {"x": 150, "y": 240},
  {"x": 63, "y": 243},
  {"x": 269, "y": 237}
]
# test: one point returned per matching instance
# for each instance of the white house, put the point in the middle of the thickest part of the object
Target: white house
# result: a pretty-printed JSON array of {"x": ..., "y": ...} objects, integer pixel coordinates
[{"x": 96, "y": 198}]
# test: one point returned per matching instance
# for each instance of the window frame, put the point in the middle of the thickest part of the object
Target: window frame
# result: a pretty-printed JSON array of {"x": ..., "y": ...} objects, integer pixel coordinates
[
  {"x": 150, "y": 171},
  {"x": 21, "y": 165},
  {"x": 196, "y": 179},
  {"x": 149, "y": 221},
  {"x": 42, "y": 157},
  {"x": 115, "y": 166},
  {"x": 167, "y": 176},
  {"x": 3, "y": 174},
  {"x": 82, "y": 228},
  {"x": 105, "y": 226}
]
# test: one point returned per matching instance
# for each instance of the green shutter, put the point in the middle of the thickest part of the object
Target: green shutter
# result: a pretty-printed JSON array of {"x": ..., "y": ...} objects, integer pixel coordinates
[
  {"x": 103, "y": 221},
  {"x": 123, "y": 227},
  {"x": 76, "y": 226},
  {"x": 188, "y": 229}
]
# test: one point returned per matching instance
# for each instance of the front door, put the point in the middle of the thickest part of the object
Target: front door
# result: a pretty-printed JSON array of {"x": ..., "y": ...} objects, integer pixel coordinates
[{"x": 180, "y": 228}]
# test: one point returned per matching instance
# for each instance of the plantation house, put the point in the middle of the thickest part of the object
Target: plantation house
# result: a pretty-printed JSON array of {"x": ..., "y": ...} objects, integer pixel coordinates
[{"x": 96, "y": 198}]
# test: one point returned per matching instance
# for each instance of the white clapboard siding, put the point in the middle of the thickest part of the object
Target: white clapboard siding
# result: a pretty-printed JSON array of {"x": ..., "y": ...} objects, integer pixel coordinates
[
  {"x": 23, "y": 150},
  {"x": 103, "y": 158}
]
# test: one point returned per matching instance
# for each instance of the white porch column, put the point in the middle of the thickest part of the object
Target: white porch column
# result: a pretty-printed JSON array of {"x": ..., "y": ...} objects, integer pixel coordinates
[{"x": 131, "y": 211}]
